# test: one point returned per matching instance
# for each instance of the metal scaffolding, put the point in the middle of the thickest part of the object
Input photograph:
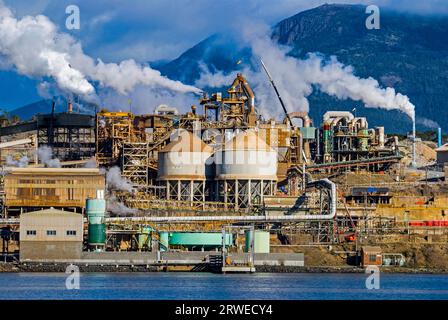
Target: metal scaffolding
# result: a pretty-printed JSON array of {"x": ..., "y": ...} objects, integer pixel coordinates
[
  {"x": 113, "y": 129},
  {"x": 134, "y": 162},
  {"x": 71, "y": 136},
  {"x": 244, "y": 193}
]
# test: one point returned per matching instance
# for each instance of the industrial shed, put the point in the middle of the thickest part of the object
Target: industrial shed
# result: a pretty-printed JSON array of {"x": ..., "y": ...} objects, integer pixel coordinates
[
  {"x": 371, "y": 256},
  {"x": 51, "y": 234},
  {"x": 442, "y": 154},
  {"x": 29, "y": 189}
]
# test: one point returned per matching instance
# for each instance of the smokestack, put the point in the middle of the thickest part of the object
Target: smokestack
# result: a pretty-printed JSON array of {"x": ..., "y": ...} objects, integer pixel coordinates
[
  {"x": 439, "y": 137},
  {"x": 414, "y": 158},
  {"x": 69, "y": 106}
]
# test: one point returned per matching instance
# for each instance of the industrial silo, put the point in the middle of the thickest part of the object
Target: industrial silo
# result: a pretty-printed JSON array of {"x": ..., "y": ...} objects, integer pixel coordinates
[
  {"x": 96, "y": 210},
  {"x": 184, "y": 168},
  {"x": 261, "y": 242},
  {"x": 246, "y": 170}
]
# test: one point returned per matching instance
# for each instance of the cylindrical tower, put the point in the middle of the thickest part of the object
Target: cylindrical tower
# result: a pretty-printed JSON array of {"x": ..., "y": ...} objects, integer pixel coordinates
[
  {"x": 246, "y": 170},
  {"x": 327, "y": 142},
  {"x": 164, "y": 241},
  {"x": 96, "y": 210},
  {"x": 261, "y": 241},
  {"x": 185, "y": 167},
  {"x": 363, "y": 135},
  {"x": 381, "y": 138}
]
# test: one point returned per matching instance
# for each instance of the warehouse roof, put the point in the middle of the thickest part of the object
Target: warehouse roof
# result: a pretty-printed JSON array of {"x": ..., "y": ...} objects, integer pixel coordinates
[
  {"x": 51, "y": 212},
  {"x": 55, "y": 171}
]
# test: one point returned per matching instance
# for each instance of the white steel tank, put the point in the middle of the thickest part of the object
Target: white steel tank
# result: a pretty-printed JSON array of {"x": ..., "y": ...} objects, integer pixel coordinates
[
  {"x": 186, "y": 157},
  {"x": 246, "y": 156}
]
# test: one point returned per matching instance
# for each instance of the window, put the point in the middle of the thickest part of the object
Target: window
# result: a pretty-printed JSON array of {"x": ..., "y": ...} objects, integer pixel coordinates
[
  {"x": 372, "y": 257},
  {"x": 30, "y": 232},
  {"x": 71, "y": 232},
  {"x": 51, "y": 232}
]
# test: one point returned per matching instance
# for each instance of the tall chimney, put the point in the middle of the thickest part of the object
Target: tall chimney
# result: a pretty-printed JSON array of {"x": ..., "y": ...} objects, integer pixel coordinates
[{"x": 414, "y": 157}]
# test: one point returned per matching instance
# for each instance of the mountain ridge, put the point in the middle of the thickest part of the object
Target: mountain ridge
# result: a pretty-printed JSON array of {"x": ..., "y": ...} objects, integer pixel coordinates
[{"x": 407, "y": 53}]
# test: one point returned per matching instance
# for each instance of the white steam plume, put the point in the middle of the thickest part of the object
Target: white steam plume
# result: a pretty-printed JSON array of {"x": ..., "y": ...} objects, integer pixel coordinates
[
  {"x": 118, "y": 208},
  {"x": 45, "y": 155},
  {"x": 21, "y": 163},
  {"x": 115, "y": 181},
  {"x": 35, "y": 47},
  {"x": 91, "y": 163},
  {"x": 428, "y": 123},
  {"x": 295, "y": 79}
]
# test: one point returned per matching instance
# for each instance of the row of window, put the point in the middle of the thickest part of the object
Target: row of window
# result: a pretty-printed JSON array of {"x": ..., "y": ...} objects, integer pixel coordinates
[{"x": 51, "y": 232}]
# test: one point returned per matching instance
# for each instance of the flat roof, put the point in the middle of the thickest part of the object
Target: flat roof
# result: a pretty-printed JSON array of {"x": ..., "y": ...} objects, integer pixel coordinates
[{"x": 58, "y": 171}]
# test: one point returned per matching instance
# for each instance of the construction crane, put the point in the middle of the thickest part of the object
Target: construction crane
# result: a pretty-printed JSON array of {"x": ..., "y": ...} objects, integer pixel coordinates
[
  {"x": 276, "y": 91},
  {"x": 296, "y": 151}
]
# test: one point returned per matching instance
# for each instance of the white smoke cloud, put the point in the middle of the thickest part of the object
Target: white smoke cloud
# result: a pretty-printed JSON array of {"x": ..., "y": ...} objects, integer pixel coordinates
[
  {"x": 428, "y": 123},
  {"x": 144, "y": 101},
  {"x": 115, "y": 181},
  {"x": 295, "y": 78},
  {"x": 118, "y": 208},
  {"x": 91, "y": 163},
  {"x": 45, "y": 155},
  {"x": 35, "y": 47},
  {"x": 214, "y": 80},
  {"x": 21, "y": 163}
]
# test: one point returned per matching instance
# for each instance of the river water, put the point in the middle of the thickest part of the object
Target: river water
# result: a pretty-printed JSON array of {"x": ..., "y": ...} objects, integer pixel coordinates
[{"x": 172, "y": 286}]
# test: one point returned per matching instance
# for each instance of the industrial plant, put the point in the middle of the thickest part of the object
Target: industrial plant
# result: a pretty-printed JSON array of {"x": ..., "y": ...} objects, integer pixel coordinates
[{"x": 217, "y": 188}]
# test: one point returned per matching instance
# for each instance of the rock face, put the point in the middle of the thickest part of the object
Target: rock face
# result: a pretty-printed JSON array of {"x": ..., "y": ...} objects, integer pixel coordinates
[{"x": 408, "y": 52}]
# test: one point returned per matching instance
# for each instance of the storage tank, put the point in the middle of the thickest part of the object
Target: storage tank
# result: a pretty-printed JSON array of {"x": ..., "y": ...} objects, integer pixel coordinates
[
  {"x": 96, "y": 210},
  {"x": 363, "y": 135},
  {"x": 246, "y": 156},
  {"x": 144, "y": 238},
  {"x": 246, "y": 170},
  {"x": 184, "y": 166},
  {"x": 206, "y": 240},
  {"x": 261, "y": 241},
  {"x": 380, "y": 133},
  {"x": 164, "y": 241}
]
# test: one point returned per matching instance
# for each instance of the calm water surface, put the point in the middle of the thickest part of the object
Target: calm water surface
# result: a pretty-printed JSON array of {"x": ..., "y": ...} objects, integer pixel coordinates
[{"x": 173, "y": 286}]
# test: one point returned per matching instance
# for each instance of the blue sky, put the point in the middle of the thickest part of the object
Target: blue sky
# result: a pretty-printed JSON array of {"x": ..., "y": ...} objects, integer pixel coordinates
[{"x": 150, "y": 30}]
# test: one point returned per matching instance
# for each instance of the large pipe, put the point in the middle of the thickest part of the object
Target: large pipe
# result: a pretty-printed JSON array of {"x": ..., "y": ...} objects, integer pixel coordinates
[
  {"x": 439, "y": 137},
  {"x": 362, "y": 122},
  {"x": 331, "y": 186},
  {"x": 306, "y": 120},
  {"x": 326, "y": 183},
  {"x": 336, "y": 114}
]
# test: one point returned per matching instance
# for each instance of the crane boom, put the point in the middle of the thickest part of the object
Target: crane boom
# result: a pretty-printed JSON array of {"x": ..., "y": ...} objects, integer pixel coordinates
[{"x": 276, "y": 91}]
